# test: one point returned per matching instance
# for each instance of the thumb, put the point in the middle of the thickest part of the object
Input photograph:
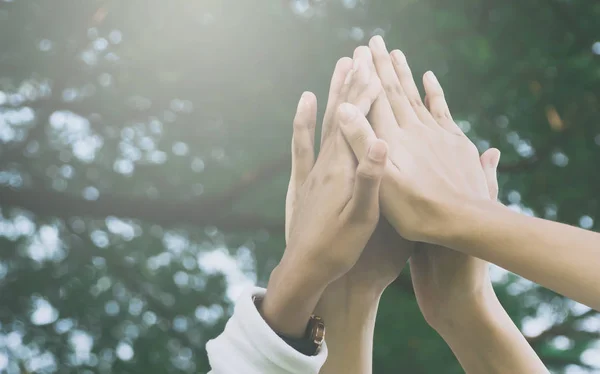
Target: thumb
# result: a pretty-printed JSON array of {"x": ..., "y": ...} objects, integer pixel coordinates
[
  {"x": 356, "y": 130},
  {"x": 364, "y": 204},
  {"x": 489, "y": 162}
]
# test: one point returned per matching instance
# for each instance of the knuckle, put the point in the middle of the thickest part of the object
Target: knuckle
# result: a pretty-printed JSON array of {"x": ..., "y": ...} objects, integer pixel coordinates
[
  {"x": 367, "y": 173},
  {"x": 392, "y": 88},
  {"x": 359, "y": 136},
  {"x": 416, "y": 102},
  {"x": 298, "y": 125},
  {"x": 440, "y": 114},
  {"x": 300, "y": 149}
]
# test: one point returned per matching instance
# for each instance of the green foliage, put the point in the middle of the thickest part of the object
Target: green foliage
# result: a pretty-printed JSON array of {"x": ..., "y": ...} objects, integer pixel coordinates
[{"x": 175, "y": 117}]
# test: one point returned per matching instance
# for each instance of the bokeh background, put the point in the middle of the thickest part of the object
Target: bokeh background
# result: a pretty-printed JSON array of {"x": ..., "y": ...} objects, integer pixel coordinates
[{"x": 144, "y": 157}]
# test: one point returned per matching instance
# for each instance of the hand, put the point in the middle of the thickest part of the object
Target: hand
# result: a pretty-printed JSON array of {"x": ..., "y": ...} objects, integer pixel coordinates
[
  {"x": 352, "y": 299},
  {"x": 450, "y": 285},
  {"x": 386, "y": 253},
  {"x": 333, "y": 204},
  {"x": 445, "y": 282},
  {"x": 422, "y": 183}
]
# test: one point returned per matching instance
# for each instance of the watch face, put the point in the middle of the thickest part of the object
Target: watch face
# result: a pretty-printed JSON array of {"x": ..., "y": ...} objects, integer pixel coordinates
[{"x": 317, "y": 334}]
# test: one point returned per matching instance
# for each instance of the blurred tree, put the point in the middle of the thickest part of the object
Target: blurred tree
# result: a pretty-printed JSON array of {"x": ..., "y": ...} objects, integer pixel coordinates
[{"x": 144, "y": 158}]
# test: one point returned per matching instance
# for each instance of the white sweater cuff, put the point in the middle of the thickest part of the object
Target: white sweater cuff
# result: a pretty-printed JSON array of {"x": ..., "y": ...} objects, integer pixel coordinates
[{"x": 248, "y": 345}]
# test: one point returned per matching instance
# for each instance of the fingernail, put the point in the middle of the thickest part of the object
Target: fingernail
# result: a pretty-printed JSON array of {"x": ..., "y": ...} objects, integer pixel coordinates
[
  {"x": 348, "y": 112},
  {"x": 432, "y": 77},
  {"x": 377, "y": 151},
  {"x": 398, "y": 57}
]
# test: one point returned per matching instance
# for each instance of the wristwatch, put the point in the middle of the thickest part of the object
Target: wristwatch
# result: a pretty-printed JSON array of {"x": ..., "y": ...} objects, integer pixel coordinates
[{"x": 311, "y": 342}]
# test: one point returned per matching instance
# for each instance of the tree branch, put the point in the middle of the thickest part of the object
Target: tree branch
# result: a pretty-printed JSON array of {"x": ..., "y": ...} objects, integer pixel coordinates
[
  {"x": 56, "y": 204},
  {"x": 47, "y": 106}
]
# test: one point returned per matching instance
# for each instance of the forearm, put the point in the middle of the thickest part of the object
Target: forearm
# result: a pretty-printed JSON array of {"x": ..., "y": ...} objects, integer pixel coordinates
[
  {"x": 485, "y": 340},
  {"x": 292, "y": 295},
  {"x": 350, "y": 319},
  {"x": 563, "y": 258}
]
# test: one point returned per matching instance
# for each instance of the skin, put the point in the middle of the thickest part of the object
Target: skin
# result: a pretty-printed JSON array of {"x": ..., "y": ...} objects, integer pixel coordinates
[
  {"x": 434, "y": 183},
  {"x": 454, "y": 290},
  {"x": 349, "y": 304},
  {"x": 323, "y": 247}
]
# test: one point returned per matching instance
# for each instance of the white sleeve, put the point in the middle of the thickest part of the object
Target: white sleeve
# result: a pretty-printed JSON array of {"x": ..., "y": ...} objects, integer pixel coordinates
[{"x": 249, "y": 346}]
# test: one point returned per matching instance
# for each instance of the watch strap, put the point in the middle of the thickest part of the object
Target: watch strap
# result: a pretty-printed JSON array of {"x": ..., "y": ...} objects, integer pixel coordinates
[{"x": 312, "y": 340}]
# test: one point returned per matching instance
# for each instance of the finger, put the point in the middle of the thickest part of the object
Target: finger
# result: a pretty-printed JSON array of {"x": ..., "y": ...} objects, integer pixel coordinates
[
  {"x": 350, "y": 80},
  {"x": 302, "y": 151},
  {"x": 343, "y": 66},
  {"x": 367, "y": 86},
  {"x": 364, "y": 204},
  {"x": 403, "y": 111},
  {"x": 437, "y": 103},
  {"x": 303, "y": 156},
  {"x": 381, "y": 116},
  {"x": 356, "y": 129},
  {"x": 489, "y": 162},
  {"x": 410, "y": 88}
]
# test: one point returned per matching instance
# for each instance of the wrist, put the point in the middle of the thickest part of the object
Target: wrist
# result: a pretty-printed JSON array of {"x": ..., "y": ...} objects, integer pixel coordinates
[
  {"x": 292, "y": 294},
  {"x": 454, "y": 228}
]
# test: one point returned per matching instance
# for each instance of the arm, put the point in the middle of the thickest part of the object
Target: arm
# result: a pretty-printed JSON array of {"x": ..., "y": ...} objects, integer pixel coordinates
[
  {"x": 320, "y": 247},
  {"x": 453, "y": 290},
  {"x": 351, "y": 321},
  {"x": 485, "y": 340},
  {"x": 434, "y": 190},
  {"x": 563, "y": 258},
  {"x": 349, "y": 304}
]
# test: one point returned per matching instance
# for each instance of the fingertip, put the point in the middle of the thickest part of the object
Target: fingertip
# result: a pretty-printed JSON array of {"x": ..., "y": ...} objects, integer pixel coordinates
[
  {"x": 361, "y": 51},
  {"x": 378, "y": 151},
  {"x": 307, "y": 100},
  {"x": 491, "y": 158},
  {"x": 377, "y": 42},
  {"x": 343, "y": 62},
  {"x": 398, "y": 56},
  {"x": 496, "y": 159},
  {"x": 430, "y": 76}
]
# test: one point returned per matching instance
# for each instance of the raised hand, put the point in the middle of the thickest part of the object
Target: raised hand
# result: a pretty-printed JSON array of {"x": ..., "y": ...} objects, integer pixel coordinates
[
  {"x": 453, "y": 290},
  {"x": 332, "y": 205},
  {"x": 421, "y": 176}
]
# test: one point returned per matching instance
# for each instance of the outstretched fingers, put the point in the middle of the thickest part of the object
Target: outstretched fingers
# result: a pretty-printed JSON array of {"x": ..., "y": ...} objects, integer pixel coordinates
[
  {"x": 303, "y": 138},
  {"x": 303, "y": 156},
  {"x": 436, "y": 102},
  {"x": 340, "y": 74},
  {"x": 403, "y": 111},
  {"x": 407, "y": 81}
]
